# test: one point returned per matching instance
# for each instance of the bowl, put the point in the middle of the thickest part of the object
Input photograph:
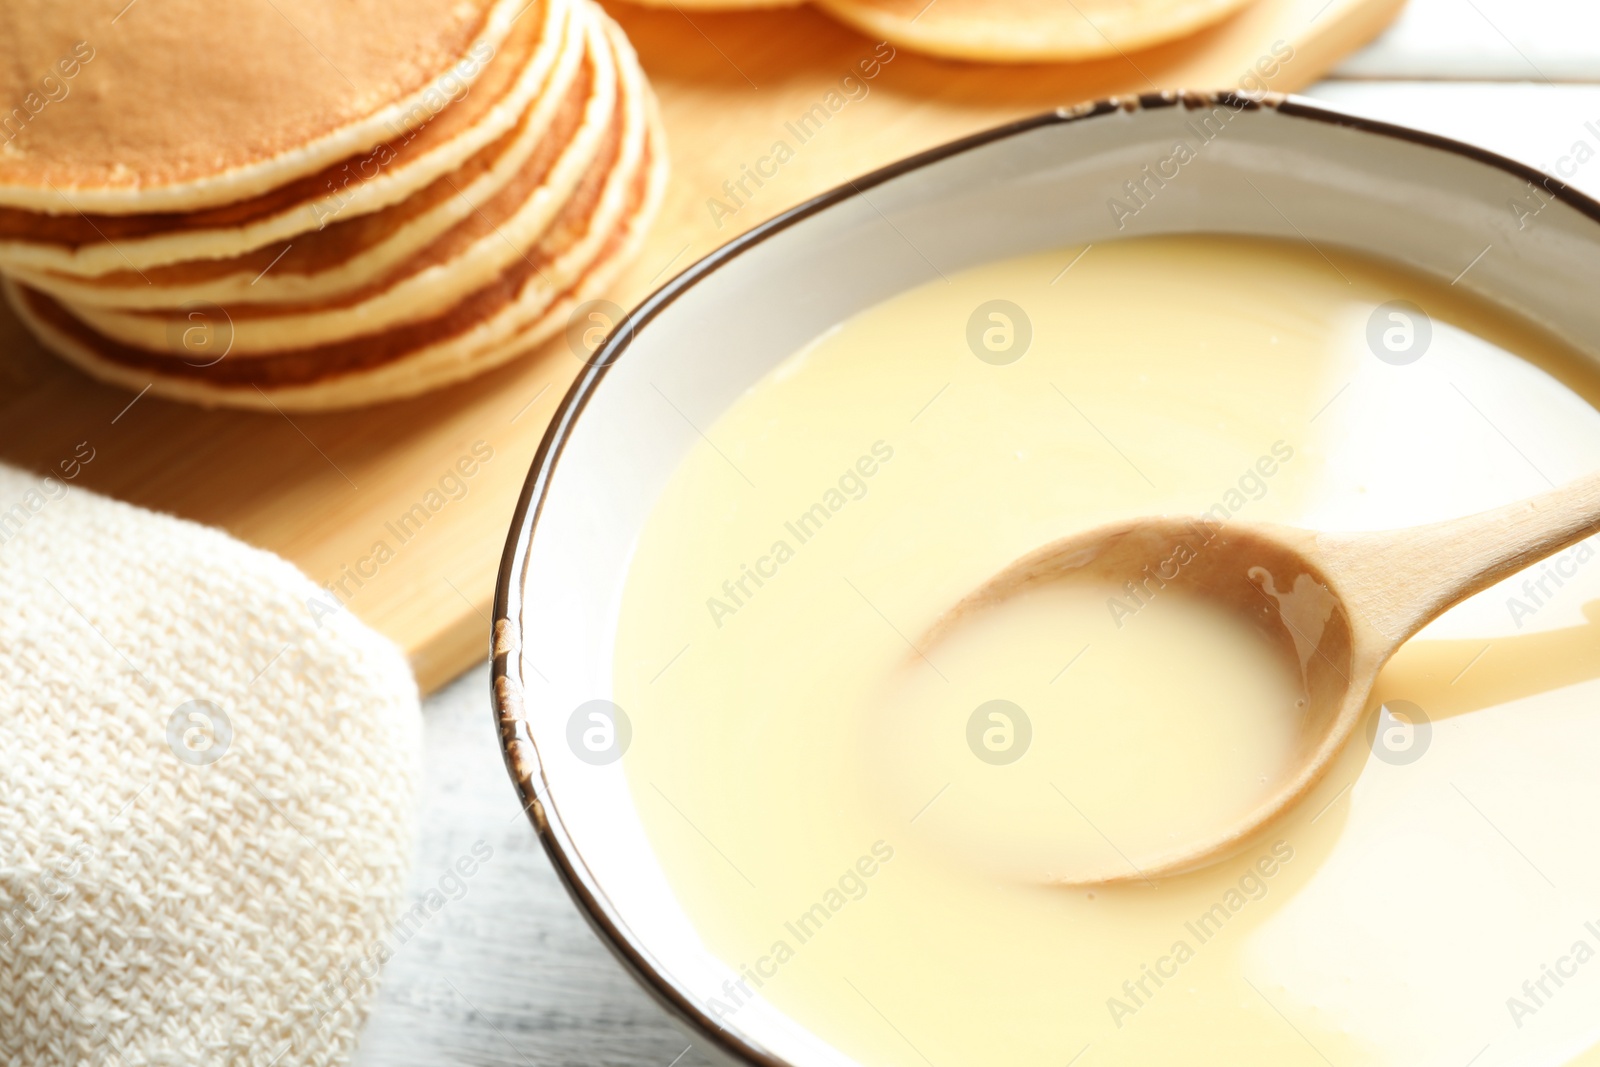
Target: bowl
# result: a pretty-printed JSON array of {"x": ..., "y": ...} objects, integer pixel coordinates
[{"x": 1266, "y": 166}]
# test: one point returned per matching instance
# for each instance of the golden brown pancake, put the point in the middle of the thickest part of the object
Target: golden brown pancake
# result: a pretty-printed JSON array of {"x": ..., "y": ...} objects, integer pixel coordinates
[
  {"x": 595, "y": 236},
  {"x": 616, "y": 256},
  {"x": 452, "y": 129},
  {"x": 460, "y": 261},
  {"x": 183, "y": 104},
  {"x": 352, "y": 250},
  {"x": 720, "y": 5},
  {"x": 1029, "y": 31}
]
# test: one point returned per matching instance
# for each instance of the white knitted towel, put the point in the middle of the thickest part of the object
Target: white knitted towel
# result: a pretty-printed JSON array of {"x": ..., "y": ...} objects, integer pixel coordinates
[{"x": 205, "y": 796}]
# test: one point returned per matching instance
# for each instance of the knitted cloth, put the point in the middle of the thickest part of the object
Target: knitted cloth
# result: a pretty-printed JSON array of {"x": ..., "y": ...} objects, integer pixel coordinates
[{"x": 205, "y": 796}]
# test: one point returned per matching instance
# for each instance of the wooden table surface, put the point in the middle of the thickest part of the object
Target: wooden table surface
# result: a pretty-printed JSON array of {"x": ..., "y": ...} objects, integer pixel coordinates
[{"x": 510, "y": 975}]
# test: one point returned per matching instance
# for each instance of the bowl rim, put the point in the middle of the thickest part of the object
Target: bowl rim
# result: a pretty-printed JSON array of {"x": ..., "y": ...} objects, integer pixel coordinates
[{"x": 505, "y": 646}]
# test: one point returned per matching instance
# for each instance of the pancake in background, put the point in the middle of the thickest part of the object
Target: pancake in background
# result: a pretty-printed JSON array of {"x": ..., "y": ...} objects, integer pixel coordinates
[
  {"x": 579, "y": 257},
  {"x": 721, "y": 5},
  {"x": 351, "y": 251},
  {"x": 232, "y": 100},
  {"x": 618, "y": 253},
  {"x": 442, "y": 366},
  {"x": 1026, "y": 31},
  {"x": 442, "y": 135},
  {"x": 461, "y": 261}
]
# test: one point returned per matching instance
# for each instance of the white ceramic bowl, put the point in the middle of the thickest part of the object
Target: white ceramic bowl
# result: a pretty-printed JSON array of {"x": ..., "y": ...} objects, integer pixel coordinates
[{"x": 1271, "y": 166}]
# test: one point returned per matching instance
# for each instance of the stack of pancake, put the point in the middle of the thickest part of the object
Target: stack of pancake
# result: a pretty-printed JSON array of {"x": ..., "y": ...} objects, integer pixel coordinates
[{"x": 310, "y": 205}]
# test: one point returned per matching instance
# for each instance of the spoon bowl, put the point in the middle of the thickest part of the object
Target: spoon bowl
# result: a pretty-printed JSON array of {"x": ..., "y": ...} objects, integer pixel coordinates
[{"x": 1337, "y": 606}]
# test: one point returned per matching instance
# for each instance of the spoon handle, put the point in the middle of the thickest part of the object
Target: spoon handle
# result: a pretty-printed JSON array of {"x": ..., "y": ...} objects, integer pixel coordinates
[{"x": 1400, "y": 580}]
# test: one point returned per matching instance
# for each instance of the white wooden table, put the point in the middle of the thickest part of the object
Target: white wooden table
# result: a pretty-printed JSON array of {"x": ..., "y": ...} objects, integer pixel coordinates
[{"x": 509, "y": 974}]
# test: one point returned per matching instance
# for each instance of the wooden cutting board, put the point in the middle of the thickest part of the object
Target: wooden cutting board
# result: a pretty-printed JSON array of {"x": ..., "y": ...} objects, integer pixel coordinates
[{"x": 378, "y": 501}]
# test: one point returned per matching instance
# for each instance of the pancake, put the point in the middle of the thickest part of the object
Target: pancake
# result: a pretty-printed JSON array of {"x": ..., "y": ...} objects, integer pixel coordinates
[
  {"x": 618, "y": 254},
  {"x": 595, "y": 237},
  {"x": 1029, "y": 31},
  {"x": 454, "y": 129},
  {"x": 440, "y": 367},
  {"x": 461, "y": 261},
  {"x": 351, "y": 251},
  {"x": 187, "y": 104},
  {"x": 720, "y": 5}
]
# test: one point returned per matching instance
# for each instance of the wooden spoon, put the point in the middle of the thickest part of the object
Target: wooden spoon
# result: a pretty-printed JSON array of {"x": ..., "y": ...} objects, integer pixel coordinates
[{"x": 1339, "y": 604}]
